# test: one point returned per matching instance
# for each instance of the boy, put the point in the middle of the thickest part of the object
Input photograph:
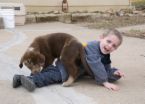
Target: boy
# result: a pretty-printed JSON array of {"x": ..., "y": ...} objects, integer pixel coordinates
[{"x": 97, "y": 58}]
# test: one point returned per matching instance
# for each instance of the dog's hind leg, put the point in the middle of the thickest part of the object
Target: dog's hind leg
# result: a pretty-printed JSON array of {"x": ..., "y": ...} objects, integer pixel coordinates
[
  {"x": 72, "y": 73},
  {"x": 68, "y": 57},
  {"x": 68, "y": 82}
]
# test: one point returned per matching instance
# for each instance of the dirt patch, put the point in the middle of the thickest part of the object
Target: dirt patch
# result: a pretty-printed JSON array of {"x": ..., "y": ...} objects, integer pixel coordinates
[
  {"x": 135, "y": 33},
  {"x": 116, "y": 22},
  {"x": 96, "y": 19}
]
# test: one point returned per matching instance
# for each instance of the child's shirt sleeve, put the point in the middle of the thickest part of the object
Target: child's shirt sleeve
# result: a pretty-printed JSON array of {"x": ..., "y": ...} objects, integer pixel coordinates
[
  {"x": 97, "y": 68},
  {"x": 110, "y": 72},
  {"x": 93, "y": 58}
]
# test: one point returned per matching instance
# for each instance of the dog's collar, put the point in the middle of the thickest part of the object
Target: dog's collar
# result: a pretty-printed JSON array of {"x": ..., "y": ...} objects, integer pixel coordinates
[{"x": 84, "y": 44}]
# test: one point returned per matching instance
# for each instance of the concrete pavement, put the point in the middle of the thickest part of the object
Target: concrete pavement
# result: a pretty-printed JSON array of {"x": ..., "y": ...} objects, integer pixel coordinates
[{"x": 130, "y": 58}]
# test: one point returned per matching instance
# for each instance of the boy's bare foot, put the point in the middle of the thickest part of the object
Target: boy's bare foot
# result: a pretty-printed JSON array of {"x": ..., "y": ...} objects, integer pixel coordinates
[{"x": 111, "y": 86}]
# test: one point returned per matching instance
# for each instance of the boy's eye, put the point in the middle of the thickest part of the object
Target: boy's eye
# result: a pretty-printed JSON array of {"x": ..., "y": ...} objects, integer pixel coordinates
[{"x": 108, "y": 41}]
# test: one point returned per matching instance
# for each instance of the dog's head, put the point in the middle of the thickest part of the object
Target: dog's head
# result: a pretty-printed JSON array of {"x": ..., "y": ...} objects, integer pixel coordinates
[{"x": 33, "y": 60}]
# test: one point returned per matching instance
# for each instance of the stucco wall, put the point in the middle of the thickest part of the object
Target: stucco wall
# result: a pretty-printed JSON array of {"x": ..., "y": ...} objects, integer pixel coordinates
[
  {"x": 74, "y": 5},
  {"x": 71, "y": 2}
]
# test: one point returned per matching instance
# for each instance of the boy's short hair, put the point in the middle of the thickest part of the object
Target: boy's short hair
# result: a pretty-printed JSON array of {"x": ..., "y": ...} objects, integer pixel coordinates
[{"x": 114, "y": 32}]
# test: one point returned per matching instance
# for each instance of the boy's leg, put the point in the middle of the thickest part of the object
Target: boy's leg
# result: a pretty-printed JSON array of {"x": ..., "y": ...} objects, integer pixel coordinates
[
  {"x": 26, "y": 82},
  {"x": 51, "y": 76},
  {"x": 16, "y": 81}
]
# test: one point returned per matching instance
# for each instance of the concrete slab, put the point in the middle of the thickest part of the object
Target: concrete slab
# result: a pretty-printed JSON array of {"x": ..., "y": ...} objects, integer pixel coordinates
[{"x": 130, "y": 57}]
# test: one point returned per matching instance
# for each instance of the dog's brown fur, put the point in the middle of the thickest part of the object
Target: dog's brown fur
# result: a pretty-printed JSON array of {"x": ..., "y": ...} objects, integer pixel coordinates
[{"x": 45, "y": 49}]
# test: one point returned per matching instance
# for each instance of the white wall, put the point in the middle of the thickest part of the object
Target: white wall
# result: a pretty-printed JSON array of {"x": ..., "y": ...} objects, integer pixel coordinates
[
  {"x": 71, "y": 2},
  {"x": 77, "y": 2},
  {"x": 74, "y": 5}
]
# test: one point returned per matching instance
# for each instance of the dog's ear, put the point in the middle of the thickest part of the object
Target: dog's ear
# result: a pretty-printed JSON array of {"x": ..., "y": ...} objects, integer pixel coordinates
[{"x": 42, "y": 59}]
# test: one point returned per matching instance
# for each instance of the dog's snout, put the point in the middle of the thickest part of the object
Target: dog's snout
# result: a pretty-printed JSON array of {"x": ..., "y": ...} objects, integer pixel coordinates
[{"x": 20, "y": 65}]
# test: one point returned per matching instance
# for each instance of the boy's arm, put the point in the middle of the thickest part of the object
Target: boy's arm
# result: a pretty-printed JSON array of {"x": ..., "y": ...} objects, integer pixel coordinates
[
  {"x": 119, "y": 73},
  {"x": 97, "y": 68},
  {"x": 113, "y": 71},
  {"x": 100, "y": 73}
]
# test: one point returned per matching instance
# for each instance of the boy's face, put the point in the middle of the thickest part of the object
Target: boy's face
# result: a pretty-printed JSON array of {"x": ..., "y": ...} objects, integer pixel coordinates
[{"x": 109, "y": 43}]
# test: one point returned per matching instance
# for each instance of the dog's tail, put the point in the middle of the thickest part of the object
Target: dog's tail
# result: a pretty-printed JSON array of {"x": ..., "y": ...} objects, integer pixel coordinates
[{"x": 83, "y": 60}]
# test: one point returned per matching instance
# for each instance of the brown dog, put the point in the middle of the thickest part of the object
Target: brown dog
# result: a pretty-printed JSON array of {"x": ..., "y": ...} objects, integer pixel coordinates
[{"x": 44, "y": 49}]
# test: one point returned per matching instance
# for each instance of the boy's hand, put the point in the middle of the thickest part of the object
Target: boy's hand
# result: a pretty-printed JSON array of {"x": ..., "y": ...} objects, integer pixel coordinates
[
  {"x": 111, "y": 86},
  {"x": 119, "y": 73}
]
